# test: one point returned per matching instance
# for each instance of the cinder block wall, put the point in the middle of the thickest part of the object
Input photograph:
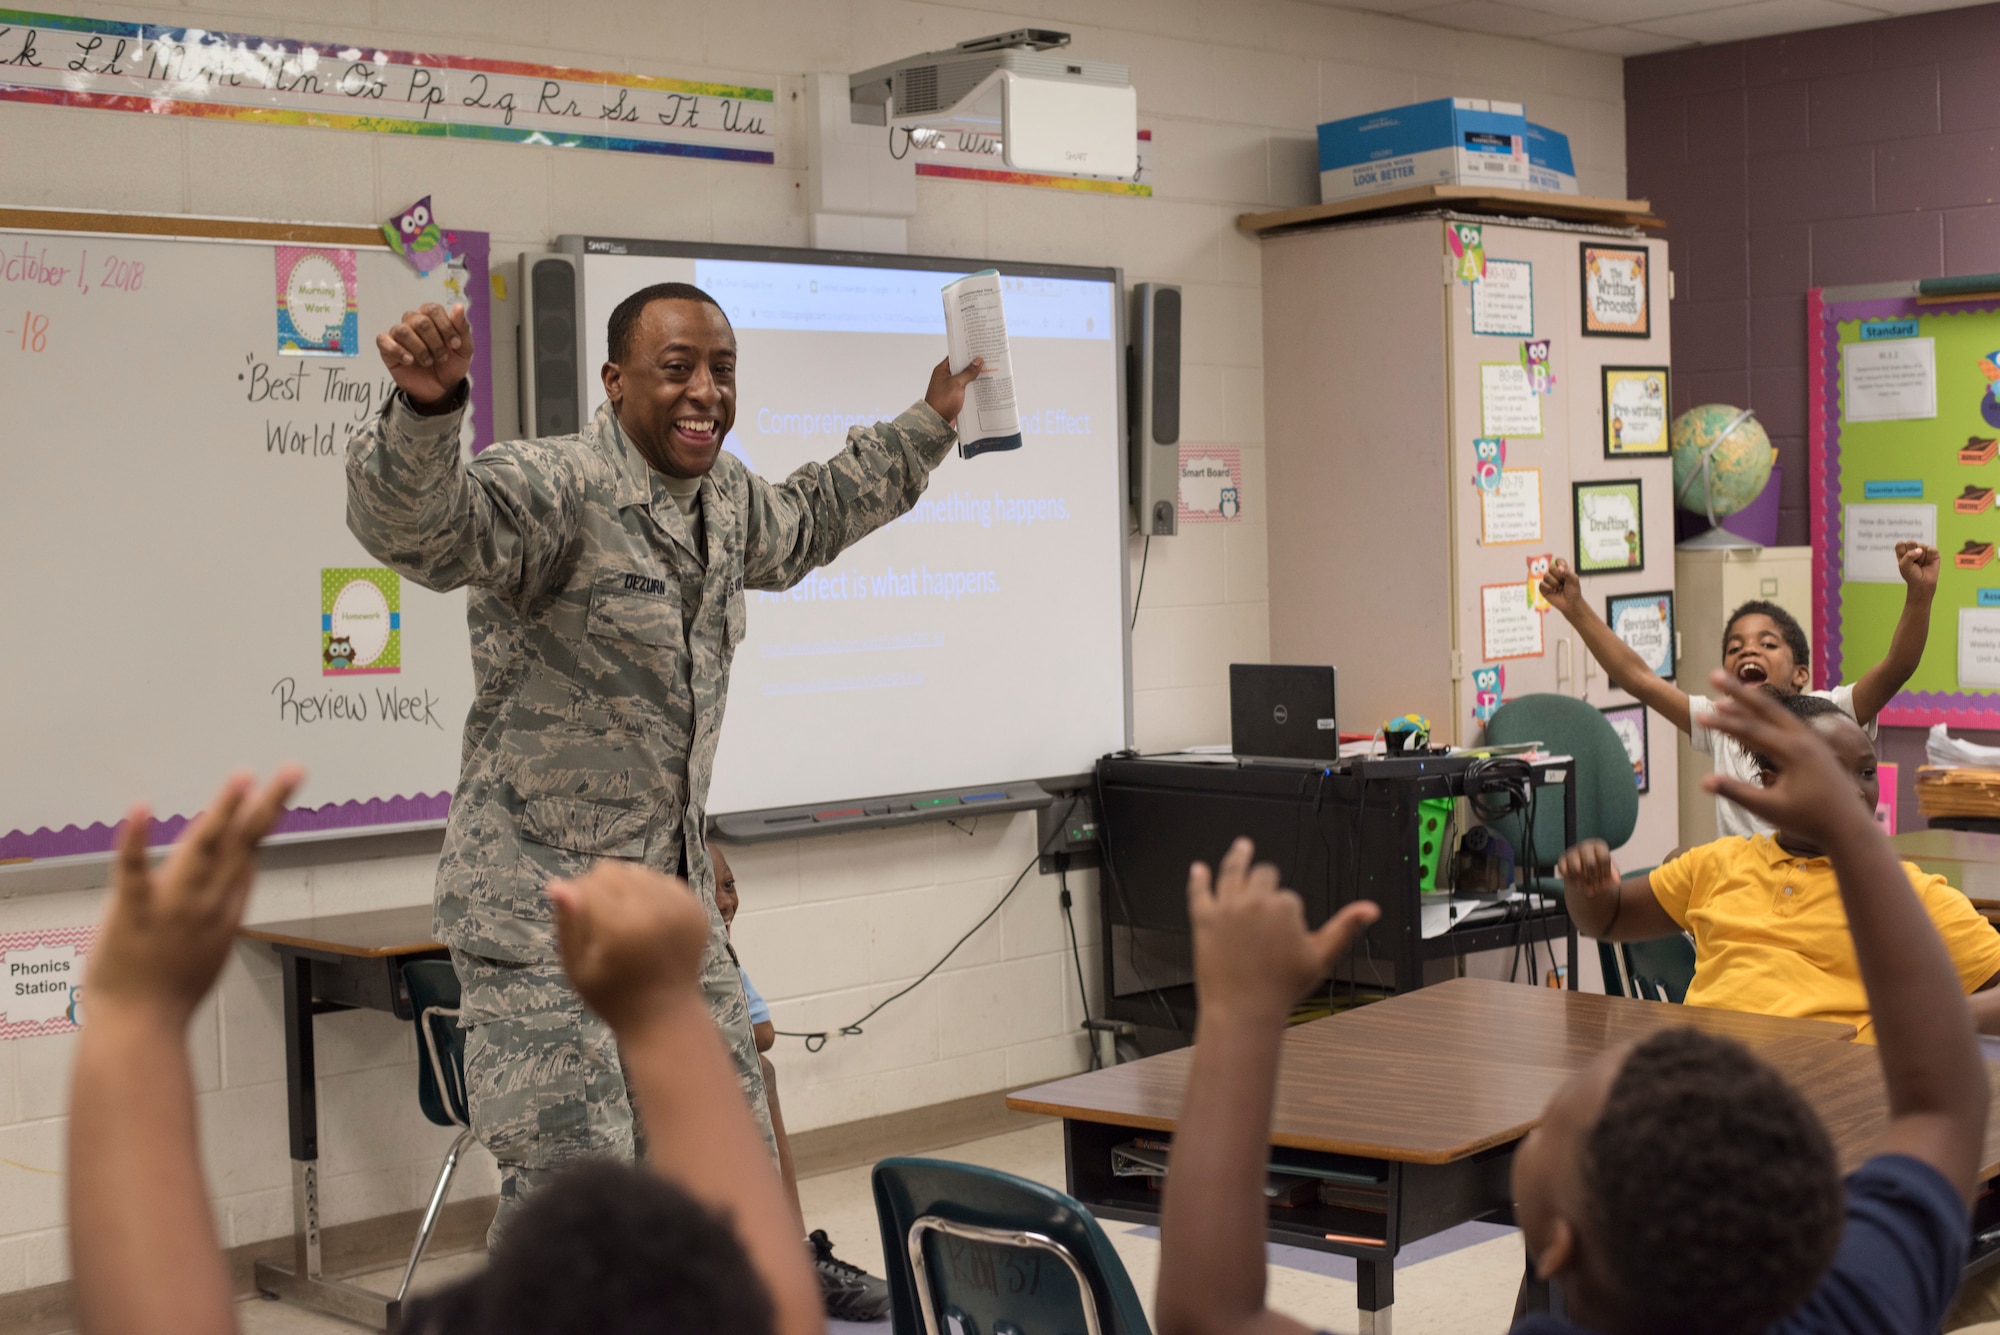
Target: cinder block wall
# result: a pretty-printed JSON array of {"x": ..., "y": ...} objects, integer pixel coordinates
[
  {"x": 1231, "y": 91},
  {"x": 1863, "y": 154}
]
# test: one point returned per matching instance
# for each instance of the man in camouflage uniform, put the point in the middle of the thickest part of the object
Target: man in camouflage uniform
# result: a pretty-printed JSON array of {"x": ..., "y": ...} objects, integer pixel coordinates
[{"x": 607, "y": 573}]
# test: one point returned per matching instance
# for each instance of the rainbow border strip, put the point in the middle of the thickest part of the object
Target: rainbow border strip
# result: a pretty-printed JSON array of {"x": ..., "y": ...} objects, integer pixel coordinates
[
  {"x": 309, "y": 119},
  {"x": 1137, "y": 189}
]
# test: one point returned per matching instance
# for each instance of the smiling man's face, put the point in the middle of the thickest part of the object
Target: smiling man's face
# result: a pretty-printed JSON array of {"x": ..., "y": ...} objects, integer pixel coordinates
[
  {"x": 1755, "y": 651},
  {"x": 675, "y": 390}
]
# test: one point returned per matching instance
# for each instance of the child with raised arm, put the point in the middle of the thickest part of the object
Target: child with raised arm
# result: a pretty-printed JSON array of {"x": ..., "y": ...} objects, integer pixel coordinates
[
  {"x": 1676, "y": 1185},
  {"x": 1763, "y": 645},
  {"x": 1770, "y": 933},
  {"x": 703, "y": 1241}
]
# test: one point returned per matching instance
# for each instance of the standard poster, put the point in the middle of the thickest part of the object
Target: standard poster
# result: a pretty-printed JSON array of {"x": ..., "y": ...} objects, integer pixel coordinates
[
  {"x": 1609, "y": 535},
  {"x": 1635, "y": 410}
]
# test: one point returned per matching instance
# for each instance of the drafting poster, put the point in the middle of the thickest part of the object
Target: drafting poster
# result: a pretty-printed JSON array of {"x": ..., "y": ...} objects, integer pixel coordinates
[
  {"x": 1512, "y": 512},
  {"x": 1509, "y": 626},
  {"x": 1609, "y": 534}
]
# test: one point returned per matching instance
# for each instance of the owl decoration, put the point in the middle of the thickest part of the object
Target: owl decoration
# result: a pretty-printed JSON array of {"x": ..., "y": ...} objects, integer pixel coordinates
[
  {"x": 1541, "y": 371},
  {"x": 1468, "y": 248},
  {"x": 1489, "y": 688},
  {"x": 416, "y": 236},
  {"x": 339, "y": 653},
  {"x": 1538, "y": 566},
  {"x": 1489, "y": 461}
]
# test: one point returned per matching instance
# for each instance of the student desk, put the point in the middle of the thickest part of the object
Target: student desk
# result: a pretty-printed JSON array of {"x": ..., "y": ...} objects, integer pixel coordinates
[
  {"x": 345, "y": 962},
  {"x": 1969, "y": 861},
  {"x": 1410, "y": 1109}
]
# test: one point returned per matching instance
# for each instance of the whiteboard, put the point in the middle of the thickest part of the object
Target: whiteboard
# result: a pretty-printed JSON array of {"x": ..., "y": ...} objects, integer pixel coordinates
[
  {"x": 173, "y": 496},
  {"x": 979, "y": 639}
]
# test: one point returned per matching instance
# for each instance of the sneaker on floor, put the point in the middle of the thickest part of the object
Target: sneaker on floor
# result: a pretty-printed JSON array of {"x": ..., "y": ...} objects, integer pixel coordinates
[{"x": 851, "y": 1293}]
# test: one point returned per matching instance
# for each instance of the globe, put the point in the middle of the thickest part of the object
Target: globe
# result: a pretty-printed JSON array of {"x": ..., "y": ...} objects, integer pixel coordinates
[{"x": 1722, "y": 460}]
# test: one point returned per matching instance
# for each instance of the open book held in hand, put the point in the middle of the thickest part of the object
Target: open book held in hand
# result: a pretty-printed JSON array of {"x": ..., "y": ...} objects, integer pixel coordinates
[{"x": 976, "y": 326}]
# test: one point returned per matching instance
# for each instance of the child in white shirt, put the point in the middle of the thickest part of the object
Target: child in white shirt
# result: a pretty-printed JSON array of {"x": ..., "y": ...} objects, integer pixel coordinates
[{"x": 1761, "y": 643}]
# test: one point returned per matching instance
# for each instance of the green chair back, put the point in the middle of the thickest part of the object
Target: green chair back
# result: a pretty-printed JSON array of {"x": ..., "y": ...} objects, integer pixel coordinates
[
  {"x": 996, "y": 1251},
  {"x": 1607, "y": 795},
  {"x": 434, "y": 999}
]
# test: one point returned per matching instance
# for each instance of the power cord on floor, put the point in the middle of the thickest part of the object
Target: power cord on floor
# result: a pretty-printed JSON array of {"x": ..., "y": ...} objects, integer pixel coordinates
[{"x": 817, "y": 1039}]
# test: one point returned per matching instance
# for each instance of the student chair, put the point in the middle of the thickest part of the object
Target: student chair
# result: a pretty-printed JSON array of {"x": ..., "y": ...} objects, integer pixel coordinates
[
  {"x": 1607, "y": 797},
  {"x": 434, "y": 999},
  {"x": 975, "y": 1249},
  {"x": 1656, "y": 970}
]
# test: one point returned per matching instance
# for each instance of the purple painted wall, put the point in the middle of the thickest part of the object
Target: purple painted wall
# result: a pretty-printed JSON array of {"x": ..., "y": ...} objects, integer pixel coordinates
[{"x": 1863, "y": 154}]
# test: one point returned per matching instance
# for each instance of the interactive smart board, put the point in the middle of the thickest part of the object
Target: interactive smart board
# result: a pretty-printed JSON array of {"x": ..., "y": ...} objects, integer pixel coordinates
[
  {"x": 1904, "y": 403},
  {"x": 979, "y": 639},
  {"x": 182, "y": 593}
]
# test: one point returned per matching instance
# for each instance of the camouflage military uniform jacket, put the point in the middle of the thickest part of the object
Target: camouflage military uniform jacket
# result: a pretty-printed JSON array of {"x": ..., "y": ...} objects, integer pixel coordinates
[{"x": 601, "y": 641}]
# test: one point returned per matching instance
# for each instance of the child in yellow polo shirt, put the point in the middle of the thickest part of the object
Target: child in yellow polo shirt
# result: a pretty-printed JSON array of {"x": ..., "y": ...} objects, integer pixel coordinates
[{"x": 1770, "y": 934}]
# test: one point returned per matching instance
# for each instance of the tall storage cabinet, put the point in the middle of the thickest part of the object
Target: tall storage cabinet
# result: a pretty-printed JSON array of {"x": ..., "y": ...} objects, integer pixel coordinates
[{"x": 1373, "y": 404}]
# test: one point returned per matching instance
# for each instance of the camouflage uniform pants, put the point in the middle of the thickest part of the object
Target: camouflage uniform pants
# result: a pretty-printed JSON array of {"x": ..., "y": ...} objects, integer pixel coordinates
[{"x": 544, "y": 1077}]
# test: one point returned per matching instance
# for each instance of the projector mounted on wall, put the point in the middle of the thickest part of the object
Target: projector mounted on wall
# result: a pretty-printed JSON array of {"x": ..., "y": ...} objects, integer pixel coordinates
[{"x": 1014, "y": 96}]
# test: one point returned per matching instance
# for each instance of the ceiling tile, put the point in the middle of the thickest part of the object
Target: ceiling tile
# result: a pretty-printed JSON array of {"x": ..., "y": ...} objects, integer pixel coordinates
[
  {"x": 1376, "y": 6},
  {"x": 1617, "y": 11},
  {"x": 1501, "y": 20},
  {"x": 1618, "y": 41},
  {"x": 1921, "y": 6},
  {"x": 1761, "y": 18}
]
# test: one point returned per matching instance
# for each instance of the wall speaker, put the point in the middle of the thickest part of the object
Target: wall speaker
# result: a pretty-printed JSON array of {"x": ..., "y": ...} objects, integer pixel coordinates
[
  {"x": 1153, "y": 396},
  {"x": 551, "y": 346}
]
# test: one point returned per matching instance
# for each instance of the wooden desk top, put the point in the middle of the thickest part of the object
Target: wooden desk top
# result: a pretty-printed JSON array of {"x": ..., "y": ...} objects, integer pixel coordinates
[
  {"x": 377, "y": 934},
  {"x": 1432, "y": 1076}
]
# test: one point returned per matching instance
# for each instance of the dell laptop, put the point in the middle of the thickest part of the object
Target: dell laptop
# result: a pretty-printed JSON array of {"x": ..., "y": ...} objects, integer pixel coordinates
[{"x": 1282, "y": 712}]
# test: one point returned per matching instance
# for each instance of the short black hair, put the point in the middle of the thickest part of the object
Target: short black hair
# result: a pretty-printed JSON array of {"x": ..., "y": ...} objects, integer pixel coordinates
[
  {"x": 1802, "y": 706},
  {"x": 606, "y": 1249},
  {"x": 1788, "y": 626},
  {"x": 1716, "y": 1198},
  {"x": 625, "y": 316}
]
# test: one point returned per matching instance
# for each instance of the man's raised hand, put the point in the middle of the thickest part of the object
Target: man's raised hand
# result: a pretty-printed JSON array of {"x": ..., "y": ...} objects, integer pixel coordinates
[
  {"x": 168, "y": 930},
  {"x": 631, "y": 942},
  {"x": 1252, "y": 952},
  {"x": 428, "y": 353},
  {"x": 946, "y": 394}
]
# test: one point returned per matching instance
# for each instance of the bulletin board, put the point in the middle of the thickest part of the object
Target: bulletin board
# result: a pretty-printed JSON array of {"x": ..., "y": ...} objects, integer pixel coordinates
[{"x": 1905, "y": 426}]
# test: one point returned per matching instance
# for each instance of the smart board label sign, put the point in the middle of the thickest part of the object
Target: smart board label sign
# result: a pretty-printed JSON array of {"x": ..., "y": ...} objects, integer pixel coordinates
[
  {"x": 1871, "y": 330},
  {"x": 1911, "y": 489}
]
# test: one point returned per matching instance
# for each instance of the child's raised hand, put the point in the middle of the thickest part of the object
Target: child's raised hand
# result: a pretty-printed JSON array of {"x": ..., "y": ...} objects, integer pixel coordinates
[
  {"x": 1589, "y": 872},
  {"x": 1918, "y": 563},
  {"x": 631, "y": 941},
  {"x": 1562, "y": 588},
  {"x": 1813, "y": 795},
  {"x": 168, "y": 929},
  {"x": 1252, "y": 952}
]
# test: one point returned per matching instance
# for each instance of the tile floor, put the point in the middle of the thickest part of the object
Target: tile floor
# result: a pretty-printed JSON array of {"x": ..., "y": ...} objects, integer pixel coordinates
[{"x": 1469, "y": 1287}]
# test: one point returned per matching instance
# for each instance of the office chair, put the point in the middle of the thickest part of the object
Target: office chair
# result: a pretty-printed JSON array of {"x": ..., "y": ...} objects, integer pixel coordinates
[
  {"x": 1656, "y": 970},
  {"x": 969, "y": 1248},
  {"x": 434, "y": 1000}
]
